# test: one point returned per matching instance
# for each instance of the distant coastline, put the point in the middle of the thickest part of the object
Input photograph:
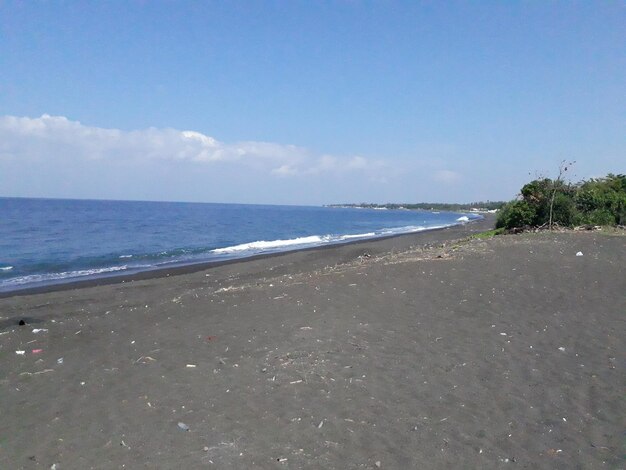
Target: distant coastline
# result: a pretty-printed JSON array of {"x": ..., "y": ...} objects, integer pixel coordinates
[{"x": 487, "y": 207}]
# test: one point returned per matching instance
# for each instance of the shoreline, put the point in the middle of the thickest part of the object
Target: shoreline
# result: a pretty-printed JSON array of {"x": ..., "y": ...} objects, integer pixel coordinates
[{"x": 486, "y": 223}]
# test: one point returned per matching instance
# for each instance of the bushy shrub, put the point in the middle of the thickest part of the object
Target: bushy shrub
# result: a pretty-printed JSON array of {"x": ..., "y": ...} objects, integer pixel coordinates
[
  {"x": 599, "y": 201},
  {"x": 515, "y": 214},
  {"x": 602, "y": 201}
]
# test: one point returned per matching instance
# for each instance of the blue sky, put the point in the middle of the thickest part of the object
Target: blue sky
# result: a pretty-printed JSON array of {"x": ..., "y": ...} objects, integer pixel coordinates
[{"x": 307, "y": 102}]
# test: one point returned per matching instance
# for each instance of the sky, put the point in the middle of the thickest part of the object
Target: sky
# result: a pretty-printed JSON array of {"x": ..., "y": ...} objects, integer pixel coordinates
[{"x": 307, "y": 102}]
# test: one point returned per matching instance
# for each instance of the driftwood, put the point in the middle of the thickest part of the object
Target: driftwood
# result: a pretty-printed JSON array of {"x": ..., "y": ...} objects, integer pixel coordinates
[{"x": 556, "y": 227}]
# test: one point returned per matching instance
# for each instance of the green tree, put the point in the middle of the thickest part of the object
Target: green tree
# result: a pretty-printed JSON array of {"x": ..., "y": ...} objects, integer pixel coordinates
[
  {"x": 600, "y": 201},
  {"x": 515, "y": 214}
]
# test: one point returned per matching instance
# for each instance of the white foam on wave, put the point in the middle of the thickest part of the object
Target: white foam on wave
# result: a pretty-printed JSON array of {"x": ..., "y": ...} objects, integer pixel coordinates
[
  {"x": 126, "y": 256},
  {"x": 463, "y": 219},
  {"x": 413, "y": 229},
  {"x": 313, "y": 240},
  {"x": 34, "y": 278},
  {"x": 406, "y": 229},
  {"x": 6, "y": 268},
  {"x": 358, "y": 235},
  {"x": 263, "y": 245}
]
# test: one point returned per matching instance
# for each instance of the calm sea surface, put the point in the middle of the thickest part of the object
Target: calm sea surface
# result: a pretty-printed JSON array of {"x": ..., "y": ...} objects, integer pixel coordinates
[{"x": 47, "y": 241}]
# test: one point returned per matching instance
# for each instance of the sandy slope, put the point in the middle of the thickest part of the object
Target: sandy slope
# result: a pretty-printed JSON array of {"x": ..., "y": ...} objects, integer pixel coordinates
[{"x": 501, "y": 353}]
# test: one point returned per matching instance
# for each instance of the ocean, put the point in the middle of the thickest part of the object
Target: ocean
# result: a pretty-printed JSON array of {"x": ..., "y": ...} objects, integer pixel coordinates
[{"x": 51, "y": 241}]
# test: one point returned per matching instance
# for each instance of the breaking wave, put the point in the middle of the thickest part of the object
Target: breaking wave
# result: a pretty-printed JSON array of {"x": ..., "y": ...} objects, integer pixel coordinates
[
  {"x": 272, "y": 245},
  {"x": 37, "y": 278},
  {"x": 263, "y": 246}
]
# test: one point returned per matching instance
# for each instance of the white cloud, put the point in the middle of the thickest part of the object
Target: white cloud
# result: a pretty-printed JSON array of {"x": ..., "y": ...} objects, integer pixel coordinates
[
  {"x": 447, "y": 176},
  {"x": 284, "y": 170},
  {"x": 56, "y": 137}
]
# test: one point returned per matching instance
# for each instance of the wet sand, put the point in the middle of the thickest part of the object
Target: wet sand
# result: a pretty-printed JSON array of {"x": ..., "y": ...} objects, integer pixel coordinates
[{"x": 396, "y": 353}]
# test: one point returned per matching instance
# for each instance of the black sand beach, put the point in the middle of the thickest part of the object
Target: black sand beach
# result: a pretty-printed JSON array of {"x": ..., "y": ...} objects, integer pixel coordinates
[{"x": 397, "y": 353}]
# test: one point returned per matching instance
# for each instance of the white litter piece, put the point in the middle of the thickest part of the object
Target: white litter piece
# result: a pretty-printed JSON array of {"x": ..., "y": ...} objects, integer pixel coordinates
[
  {"x": 40, "y": 330},
  {"x": 580, "y": 253},
  {"x": 20, "y": 353},
  {"x": 562, "y": 349}
]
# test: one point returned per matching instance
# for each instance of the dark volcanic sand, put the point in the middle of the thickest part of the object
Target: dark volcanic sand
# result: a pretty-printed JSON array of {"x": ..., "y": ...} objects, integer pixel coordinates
[{"x": 499, "y": 353}]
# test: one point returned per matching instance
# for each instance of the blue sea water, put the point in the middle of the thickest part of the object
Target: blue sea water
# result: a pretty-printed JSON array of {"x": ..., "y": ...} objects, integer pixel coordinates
[{"x": 48, "y": 241}]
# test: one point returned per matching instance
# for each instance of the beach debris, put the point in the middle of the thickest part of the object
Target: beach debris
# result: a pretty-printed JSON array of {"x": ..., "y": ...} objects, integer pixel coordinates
[
  {"x": 22, "y": 323},
  {"x": 378, "y": 464},
  {"x": 281, "y": 459},
  {"x": 579, "y": 253},
  {"x": 37, "y": 351},
  {"x": 190, "y": 366},
  {"x": 20, "y": 353},
  {"x": 60, "y": 360},
  {"x": 297, "y": 382},
  {"x": 145, "y": 359},
  {"x": 319, "y": 426},
  {"x": 54, "y": 466},
  {"x": 183, "y": 427},
  {"x": 45, "y": 371},
  {"x": 562, "y": 349},
  {"x": 40, "y": 330}
]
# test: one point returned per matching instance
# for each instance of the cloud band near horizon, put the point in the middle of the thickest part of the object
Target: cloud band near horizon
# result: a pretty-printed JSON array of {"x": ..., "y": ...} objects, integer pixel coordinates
[{"x": 57, "y": 136}]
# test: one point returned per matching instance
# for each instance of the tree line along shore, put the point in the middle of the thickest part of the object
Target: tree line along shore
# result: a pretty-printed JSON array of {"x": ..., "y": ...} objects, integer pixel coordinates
[
  {"x": 481, "y": 206},
  {"x": 544, "y": 202}
]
